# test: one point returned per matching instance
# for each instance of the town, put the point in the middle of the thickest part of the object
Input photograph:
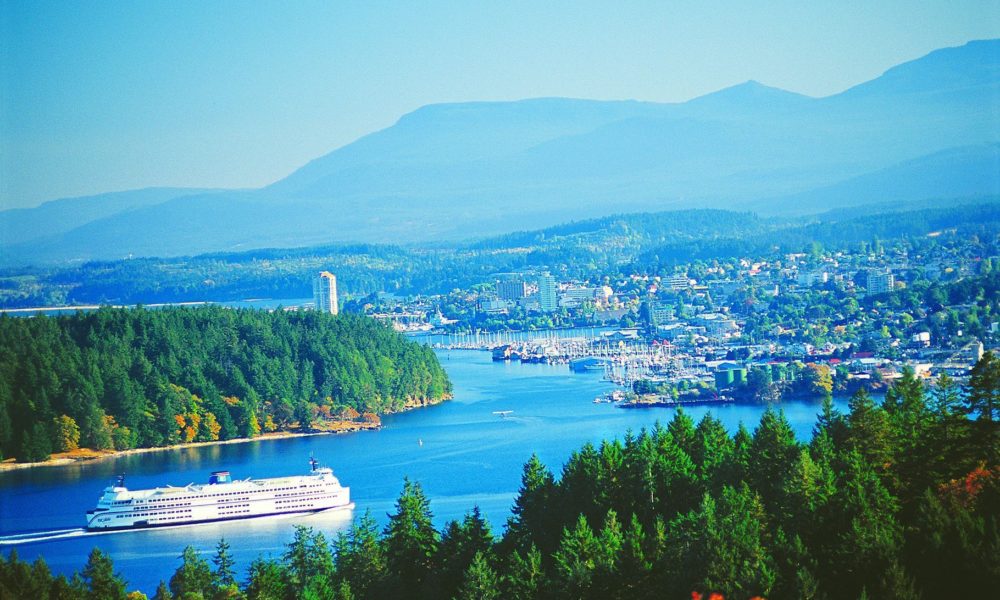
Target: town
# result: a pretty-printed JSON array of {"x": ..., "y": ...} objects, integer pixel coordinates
[{"x": 750, "y": 328}]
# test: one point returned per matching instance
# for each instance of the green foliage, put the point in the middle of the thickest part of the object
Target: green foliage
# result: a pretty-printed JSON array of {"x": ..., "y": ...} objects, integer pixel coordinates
[
  {"x": 481, "y": 581},
  {"x": 268, "y": 580},
  {"x": 310, "y": 564},
  {"x": 102, "y": 582},
  {"x": 847, "y": 516},
  {"x": 125, "y": 378},
  {"x": 411, "y": 541},
  {"x": 983, "y": 401},
  {"x": 193, "y": 578},
  {"x": 223, "y": 575}
]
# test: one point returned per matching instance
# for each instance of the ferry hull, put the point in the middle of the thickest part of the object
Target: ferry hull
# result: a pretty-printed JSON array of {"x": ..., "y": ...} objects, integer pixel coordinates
[{"x": 147, "y": 525}]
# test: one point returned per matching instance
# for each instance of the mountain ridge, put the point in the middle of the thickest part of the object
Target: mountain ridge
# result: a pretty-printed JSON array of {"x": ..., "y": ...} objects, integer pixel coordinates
[{"x": 456, "y": 170}]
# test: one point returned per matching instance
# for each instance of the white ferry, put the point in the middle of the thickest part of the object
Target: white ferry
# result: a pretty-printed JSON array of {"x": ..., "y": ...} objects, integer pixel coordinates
[{"x": 220, "y": 499}]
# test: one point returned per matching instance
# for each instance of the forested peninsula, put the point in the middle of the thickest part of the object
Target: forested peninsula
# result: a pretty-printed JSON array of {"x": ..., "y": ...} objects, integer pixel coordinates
[{"x": 119, "y": 379}]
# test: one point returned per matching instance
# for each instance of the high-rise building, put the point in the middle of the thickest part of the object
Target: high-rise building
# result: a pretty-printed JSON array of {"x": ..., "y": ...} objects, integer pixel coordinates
[
  {"x": 880, "y": 282},
  {"x": 512, "y": 289},
  {"x": 325, "y": 292},
  {"x": 548, "y": 300}
]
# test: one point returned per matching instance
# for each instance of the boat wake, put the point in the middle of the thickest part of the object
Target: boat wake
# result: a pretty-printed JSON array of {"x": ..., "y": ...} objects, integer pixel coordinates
[
  {"x": 335, "y": 513},
  {"x": 44, "y": 536}
]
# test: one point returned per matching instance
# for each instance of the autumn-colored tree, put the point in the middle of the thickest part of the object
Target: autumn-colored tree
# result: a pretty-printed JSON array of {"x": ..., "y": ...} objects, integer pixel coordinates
[{"x": 67, "y": 433}]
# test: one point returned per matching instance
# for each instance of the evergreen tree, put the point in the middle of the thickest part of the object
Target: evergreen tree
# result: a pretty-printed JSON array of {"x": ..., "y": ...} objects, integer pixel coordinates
[
  {"x": 737, "y": 468},
  {"x": 102, "y": 582},
  {"x": 869, "y": 433},
  {"x": 859, "y": 533},
  {"x": 163, "y": 592},
  {"x": 713, "y": 449},
  {"x": 480, "y": 582},
  {"x": 524, "y": 577},
  {"x": 224, "y": 575},
  {"x": 948, "y": 449},
  {"x": 773, "y": 454},
  {"x": 739, "y": 562},
  {"x": 193, "y": 577},
  {"x": 910, "y": 420},
  {"x": 310, "y": 564},
  {"x": 410, "y": 540},
  {"x": 681, "y": 427},
  {"x": 532, "y": 517},
  {"x": 982, "y": 400},
  {"x": 576, "y": 560},
  {"x": 268, "y": 580},
  {"x": 634, "y": 564},
  {"x": 361, "y": 561}
]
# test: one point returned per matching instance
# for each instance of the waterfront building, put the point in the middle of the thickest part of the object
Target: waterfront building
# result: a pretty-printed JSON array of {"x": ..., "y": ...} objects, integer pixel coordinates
[
  {"x": 548, "y": 299},
  {"x": 492, "y": 305},
  {"x": 325, "y": 292},
  {"x": 573, "y": 297}
]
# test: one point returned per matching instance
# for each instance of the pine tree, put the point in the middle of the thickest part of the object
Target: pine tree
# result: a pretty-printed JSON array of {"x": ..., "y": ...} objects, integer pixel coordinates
[
  {"x": 868, "y": 431},
  {"x": 480, "y": 582},
  {"x": 268, "y": 580},
  {"x": 102, "y": 582},
  {"x": 310, "y": 563},
  {"x": 224, "y": 574},
  {"x": 982, "y": 400},
  {"x": 193, "y": 576},
  {"x": 576, "y": 560},
  {"x": 525, "y": 576},
  {"x": 682, "y": 428},
  {"x": 948, "y": 448},
  {"x": 773, "y": 454},
  {"x": 361, "y": 560},
  {"x": 410, "y": 540},
  {"x": 859, "y": 534},
  {"x": 532, "y": 518},
  {"x": 634, "y": 566},
  {"x": 713, "y": 448},
  {"x": 459, "y": 544},
  {"x": 163, "y": 592}
]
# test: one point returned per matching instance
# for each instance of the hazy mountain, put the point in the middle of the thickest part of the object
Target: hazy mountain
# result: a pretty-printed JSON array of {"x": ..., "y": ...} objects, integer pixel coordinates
[
  {"x": 59, "y": 216},
  {"x": 927, "y": 128},
  {"x": 965, "y": 172}
]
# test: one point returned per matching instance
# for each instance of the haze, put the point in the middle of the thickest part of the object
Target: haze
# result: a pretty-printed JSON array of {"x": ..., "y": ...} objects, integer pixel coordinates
[{"x": 97, "y": 98}]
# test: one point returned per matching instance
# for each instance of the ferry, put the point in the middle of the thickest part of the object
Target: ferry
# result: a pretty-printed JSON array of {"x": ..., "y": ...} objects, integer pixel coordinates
[{"x": 221, "y": 499}]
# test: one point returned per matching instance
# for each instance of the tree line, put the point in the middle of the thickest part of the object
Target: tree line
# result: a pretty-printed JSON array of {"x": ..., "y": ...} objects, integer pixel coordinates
[
  {"x": 619, "y": 245},
  {"x": 133, "y": 378},
  {"x": 899, "y": 499}
]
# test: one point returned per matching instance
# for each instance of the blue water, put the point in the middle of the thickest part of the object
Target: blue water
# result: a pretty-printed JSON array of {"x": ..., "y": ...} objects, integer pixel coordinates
[{"x": 468, "y": 456}]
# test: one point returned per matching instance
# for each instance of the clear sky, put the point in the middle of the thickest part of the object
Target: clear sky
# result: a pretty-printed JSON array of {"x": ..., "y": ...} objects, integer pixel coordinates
[{"x": 105, "y": 96}]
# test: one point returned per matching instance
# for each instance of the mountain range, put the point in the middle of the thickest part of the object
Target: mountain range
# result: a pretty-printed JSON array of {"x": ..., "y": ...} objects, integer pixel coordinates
[{"x": 925, "y": 129}]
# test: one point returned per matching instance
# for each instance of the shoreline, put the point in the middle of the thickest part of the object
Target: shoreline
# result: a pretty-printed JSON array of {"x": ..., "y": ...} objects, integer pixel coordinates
[{"x": 88, "y": 454}]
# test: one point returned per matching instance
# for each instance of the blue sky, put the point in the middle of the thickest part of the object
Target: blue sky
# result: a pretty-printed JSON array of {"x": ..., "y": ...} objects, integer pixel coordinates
[{"x": 106, "y": 96}]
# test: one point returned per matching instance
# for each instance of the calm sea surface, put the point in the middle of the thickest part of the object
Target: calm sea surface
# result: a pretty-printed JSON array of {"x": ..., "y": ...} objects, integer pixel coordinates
[{"x": 468, "y": 456}]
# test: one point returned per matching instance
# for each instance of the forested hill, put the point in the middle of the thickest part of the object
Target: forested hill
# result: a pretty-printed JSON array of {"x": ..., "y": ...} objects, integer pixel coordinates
[{"x": 128, "y": 378}]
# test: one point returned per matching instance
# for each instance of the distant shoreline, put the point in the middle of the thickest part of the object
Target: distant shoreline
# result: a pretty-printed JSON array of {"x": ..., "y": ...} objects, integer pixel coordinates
[{"x": 89, "y": 454}]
